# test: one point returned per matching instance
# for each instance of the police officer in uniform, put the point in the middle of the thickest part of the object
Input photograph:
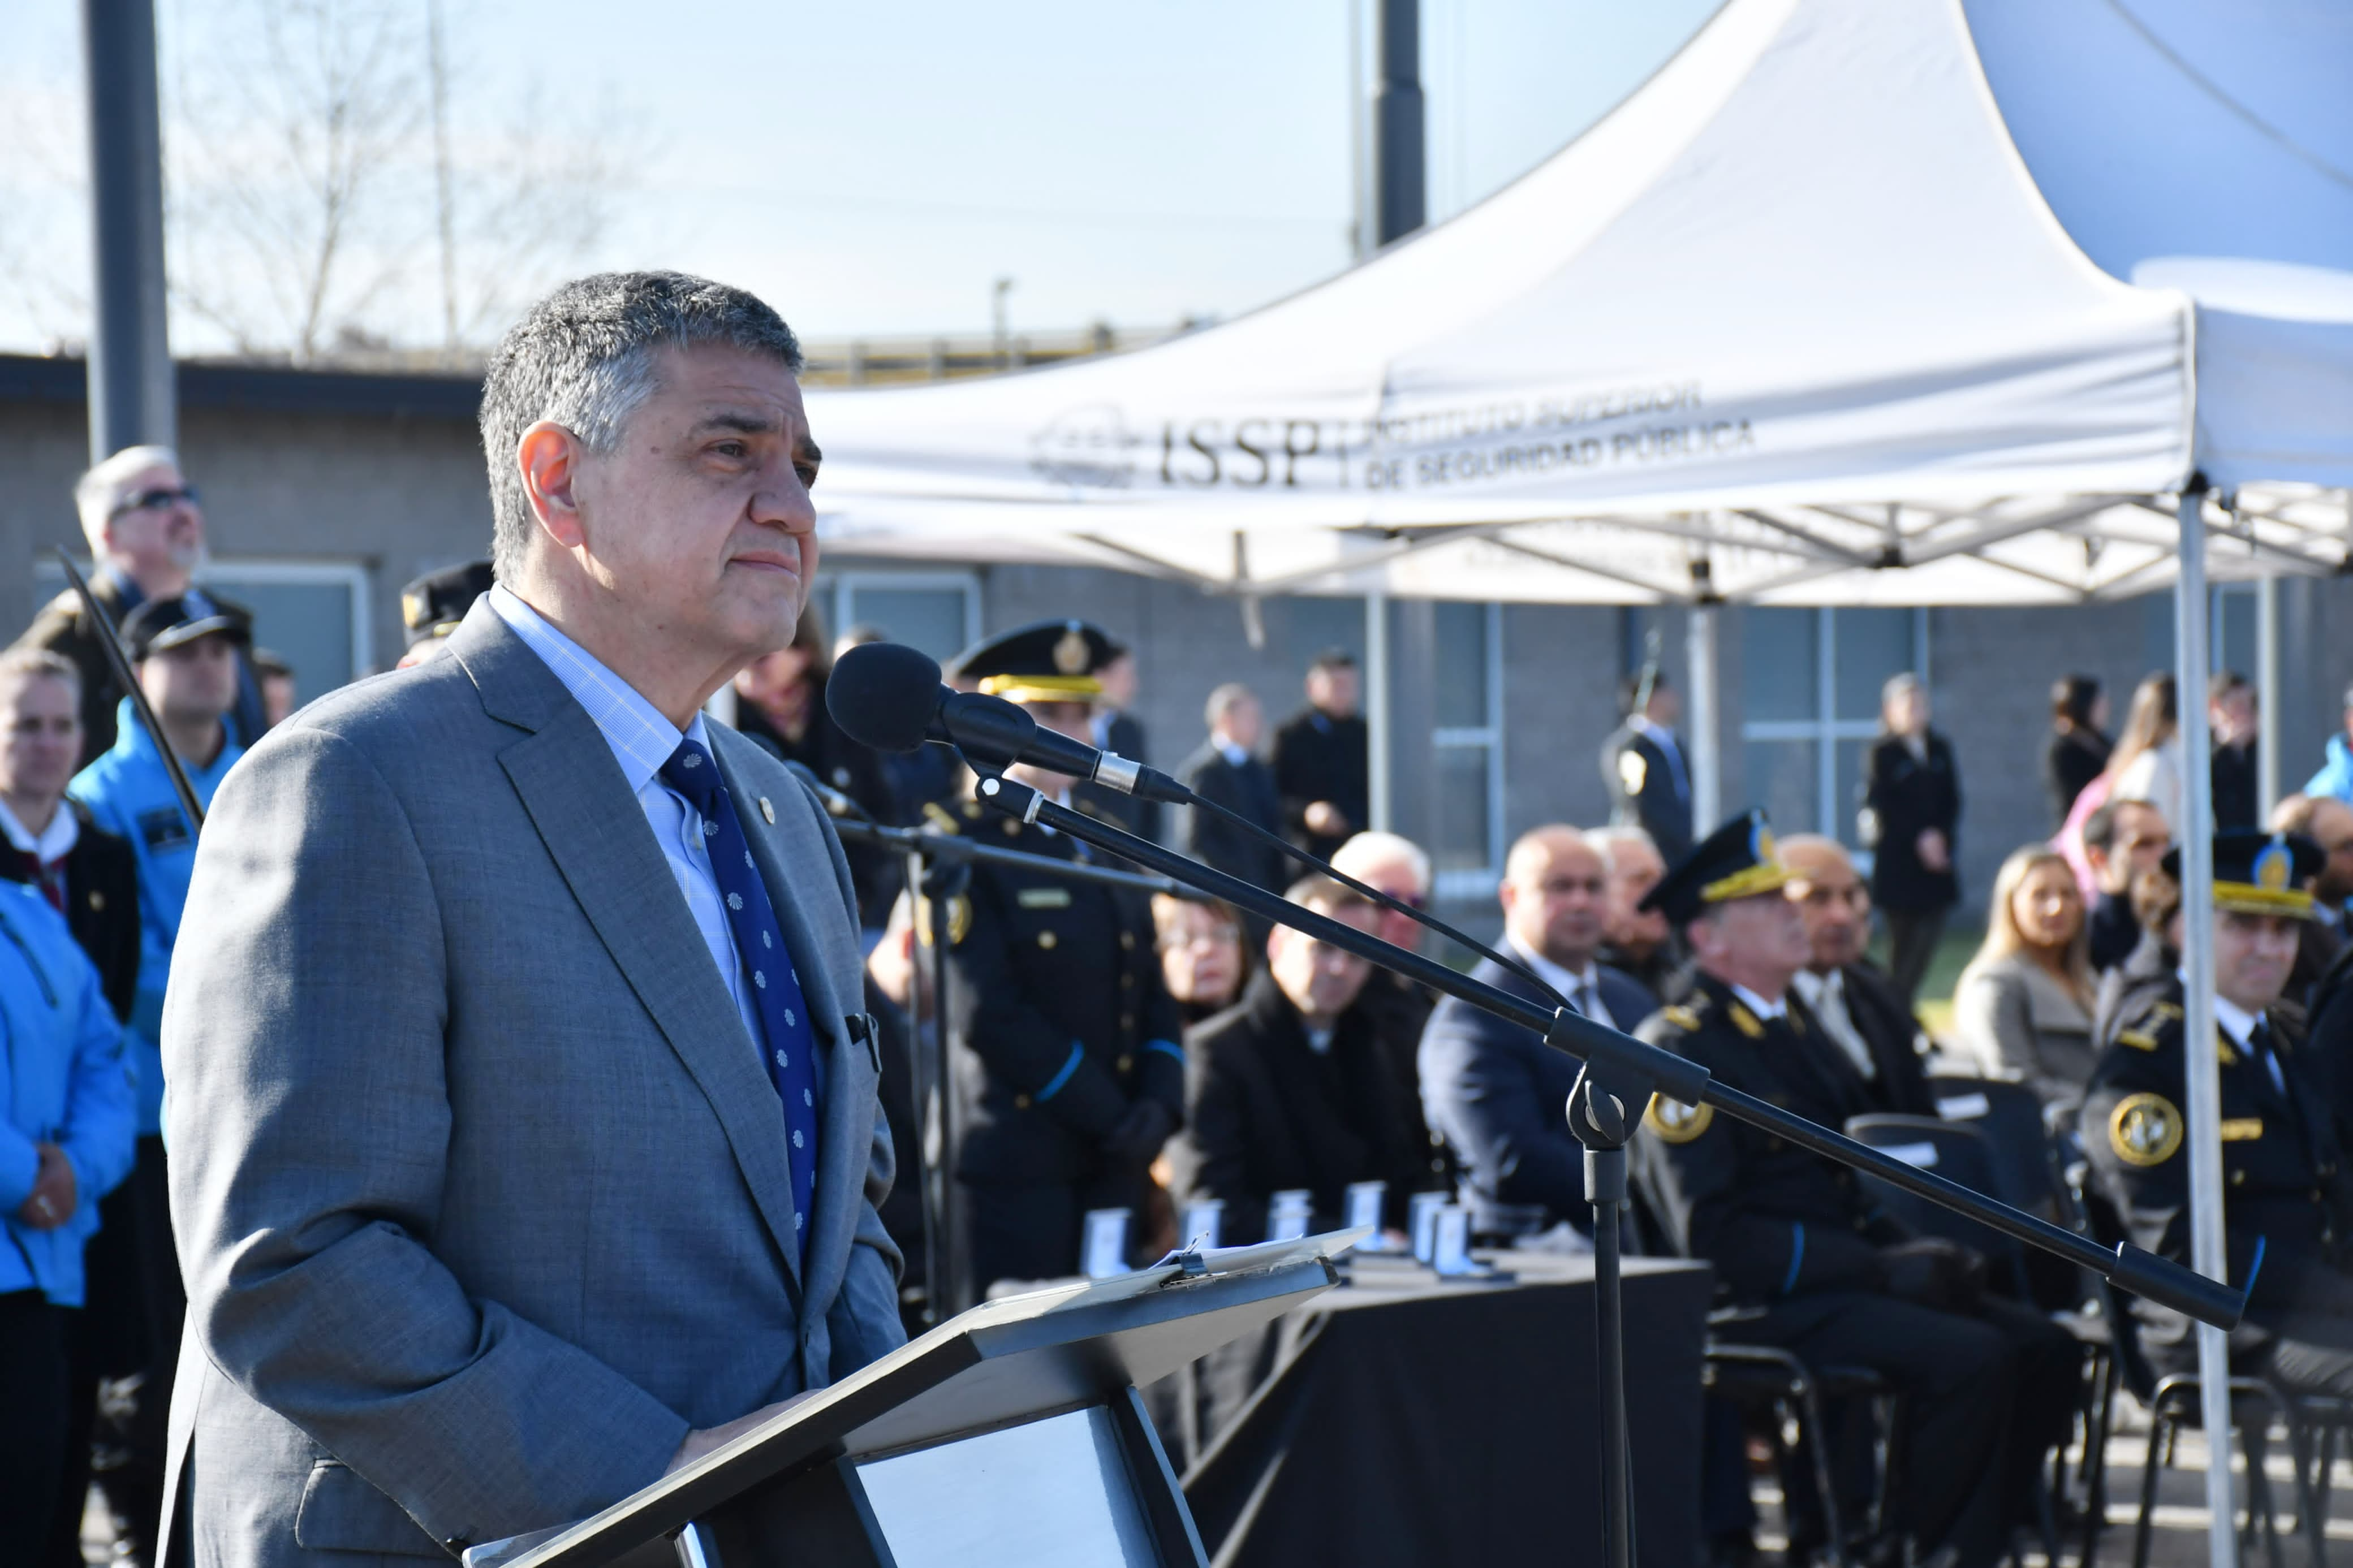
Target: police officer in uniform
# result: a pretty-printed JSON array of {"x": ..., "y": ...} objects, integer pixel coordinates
[
  {"x": 434, "y": 605},
  {"x": 1643, "y": 765},
  {"x": 2286, "y": 1198},
  {"x": 1069, "y": 1073},
  {"x": 1818, "y": 1267}
]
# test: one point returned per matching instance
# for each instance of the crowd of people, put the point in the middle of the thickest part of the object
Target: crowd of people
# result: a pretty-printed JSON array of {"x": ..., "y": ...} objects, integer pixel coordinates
[{"x": 1167, "y": 1056}]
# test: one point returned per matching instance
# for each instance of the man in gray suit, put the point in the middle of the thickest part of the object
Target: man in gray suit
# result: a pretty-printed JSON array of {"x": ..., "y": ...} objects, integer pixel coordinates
[{"x": 524, "y": 1135}]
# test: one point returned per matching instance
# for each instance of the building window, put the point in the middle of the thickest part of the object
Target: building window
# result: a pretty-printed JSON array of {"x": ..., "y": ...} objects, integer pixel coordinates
[
  {"x": 1467, "y": 825},
  {"x": 938, "y": 612},
  {"x": 1810, "y": 685},
  {"x": 313, "y": 612}
]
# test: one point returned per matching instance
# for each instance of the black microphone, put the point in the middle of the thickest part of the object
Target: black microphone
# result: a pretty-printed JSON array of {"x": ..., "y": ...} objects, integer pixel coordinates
[{"x": 890, "y": 697}]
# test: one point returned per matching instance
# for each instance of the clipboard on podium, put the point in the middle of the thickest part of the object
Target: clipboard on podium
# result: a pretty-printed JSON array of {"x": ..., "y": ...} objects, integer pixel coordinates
[{"x": 1012, "y": 1434}]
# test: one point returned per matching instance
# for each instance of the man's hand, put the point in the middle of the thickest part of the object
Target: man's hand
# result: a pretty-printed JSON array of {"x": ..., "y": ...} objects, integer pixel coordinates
[
  {"x": 699, "y": 1443},
  {"x": 1934, "y": 852},
  {"x": 55, "y": 1195},
  {"x": 1325, "y": 819}
]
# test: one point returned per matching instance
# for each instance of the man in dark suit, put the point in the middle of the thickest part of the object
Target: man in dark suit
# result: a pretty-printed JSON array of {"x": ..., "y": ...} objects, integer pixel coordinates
[
  {"x": 1320, "y": 760},
  {"x": 88, "y": 875},
  {"x": 147, "y": 534},
  {"x": 1224, "y": 770},
  {"x": 1635, "y": 940},
  {"x": 1113, "y": 727},
  {"x": 1871, "y": 1030},
  {"x": 1287, "y": 1090},
  {"x": 1494, "y": 1090},
  {"x": 1911, "y": 813},
  {"x": 1644, "y": 768}
]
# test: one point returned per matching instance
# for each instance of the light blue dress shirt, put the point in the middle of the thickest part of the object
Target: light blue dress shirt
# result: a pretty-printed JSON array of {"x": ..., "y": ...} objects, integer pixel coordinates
[{"x": 642, "y": 740}]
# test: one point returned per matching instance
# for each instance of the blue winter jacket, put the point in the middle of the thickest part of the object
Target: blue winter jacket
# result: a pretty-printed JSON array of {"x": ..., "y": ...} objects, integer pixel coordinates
[
  {"x": 66, "y": 1082},
  {"x": 2335, "y": 775},
  {"x": 129, "y": 793}
]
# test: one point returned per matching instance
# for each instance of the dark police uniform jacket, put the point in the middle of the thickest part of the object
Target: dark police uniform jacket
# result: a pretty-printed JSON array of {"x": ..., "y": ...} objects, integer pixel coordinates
[
  {"x": 1644, "y": 783},
  {"x": 1777, "y": 1221},
  {"x": 2287, "y": 1201},
  {"x": 1060, "y": 1011}
]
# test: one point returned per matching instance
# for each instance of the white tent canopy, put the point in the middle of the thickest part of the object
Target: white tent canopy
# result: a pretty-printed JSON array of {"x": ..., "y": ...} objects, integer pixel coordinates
[{"x": 1797, "y": 307}]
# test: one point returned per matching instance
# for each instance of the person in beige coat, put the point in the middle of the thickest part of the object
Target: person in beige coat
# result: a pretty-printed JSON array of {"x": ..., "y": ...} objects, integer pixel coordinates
[{"x": 2023, "y": 1008}]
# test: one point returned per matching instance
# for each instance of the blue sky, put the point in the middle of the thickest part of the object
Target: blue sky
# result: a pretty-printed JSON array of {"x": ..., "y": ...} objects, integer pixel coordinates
[{"x": 871, "y": 168}]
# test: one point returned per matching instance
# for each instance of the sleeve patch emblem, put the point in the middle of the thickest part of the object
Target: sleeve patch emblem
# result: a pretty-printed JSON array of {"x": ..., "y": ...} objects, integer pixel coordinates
[
  {"x": 1675, "y": 1122},
  {"x": 2144, "y": 1130}
]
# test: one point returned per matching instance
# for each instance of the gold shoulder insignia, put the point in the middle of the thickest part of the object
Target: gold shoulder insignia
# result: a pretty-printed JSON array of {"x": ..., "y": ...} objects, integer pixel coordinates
[
  {"x": 1681, "y": 1018},
  {"x": 2144, "y": 1130},
  {"x": 2136, "y": 1040},
  {"x": 959, "y": 920},
  {"x": 1675, "y": 1122},
  {"x": 939, "y": 817},
  {"x": 2168, "y": 1010},
  {"x": 1745, "y": 1022}
]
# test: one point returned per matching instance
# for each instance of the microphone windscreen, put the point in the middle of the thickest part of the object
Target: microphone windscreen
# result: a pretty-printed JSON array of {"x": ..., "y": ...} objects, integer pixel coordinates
[{"x": 883, "y": 695}]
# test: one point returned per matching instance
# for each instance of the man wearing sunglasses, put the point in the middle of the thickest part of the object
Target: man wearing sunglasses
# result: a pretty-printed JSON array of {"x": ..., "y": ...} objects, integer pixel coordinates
[{"x": 146, "y": 534}]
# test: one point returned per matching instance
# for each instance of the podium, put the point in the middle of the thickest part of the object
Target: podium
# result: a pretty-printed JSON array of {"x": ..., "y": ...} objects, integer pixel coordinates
[{"x": 1011, "y": 1433}]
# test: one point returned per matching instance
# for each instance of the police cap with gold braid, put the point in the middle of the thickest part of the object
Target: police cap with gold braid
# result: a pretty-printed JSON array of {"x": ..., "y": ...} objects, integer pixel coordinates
[
  {"x": 2258, "y": 873},
  {"x": 1045, "y": 661},
  {"x": 432, "y": 605},
  {"x": 1738, "y": 860}
]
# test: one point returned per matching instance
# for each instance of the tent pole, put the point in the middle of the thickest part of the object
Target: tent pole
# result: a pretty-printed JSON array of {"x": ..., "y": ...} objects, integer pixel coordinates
[
  {"x": 1377, "y": 708},
  {"x": 1708, "y": 775},
  {"x": 2267, "y": 695},
  {"x": 2201, "y": 1067}
]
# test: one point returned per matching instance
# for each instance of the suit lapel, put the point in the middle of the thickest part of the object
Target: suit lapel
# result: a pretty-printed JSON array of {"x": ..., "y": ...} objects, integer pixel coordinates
[
  {"x": 564, "y": 773},
  {"x": 795, "y": 865}
]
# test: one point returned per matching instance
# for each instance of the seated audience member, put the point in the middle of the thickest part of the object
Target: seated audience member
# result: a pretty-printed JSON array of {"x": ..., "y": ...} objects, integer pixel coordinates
[
  {"x": 2320, "y": 941},
  {"x": 2156, "y": 903},
  {"x": 1495, "y": 1091},
  {"x": 1989, "y": 1386},
  {"x": 1227, "y": 772},
  {"x": 2287, "y": 1199},
  {"x": 1873, "y": 1032},
  {"x": 1201, "y": 954},
  {"x": 2121, "y": 840},
  {"x": 1635, "y": 940},
  {"x": 1397, "y": 867},
  {"x": 2024, "y": 1007},
  {"x": 65, "y": 1142},
  {"x": 1287, "y": 1090}
]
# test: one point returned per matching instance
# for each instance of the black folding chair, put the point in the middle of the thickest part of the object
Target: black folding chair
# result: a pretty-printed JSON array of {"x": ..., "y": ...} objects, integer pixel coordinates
[
  {"x": 1958, "y": 1153},
  {"x": 1794, "y": 1394}
]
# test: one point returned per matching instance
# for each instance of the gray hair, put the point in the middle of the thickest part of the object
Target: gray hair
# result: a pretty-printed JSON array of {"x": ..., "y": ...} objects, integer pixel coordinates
[
  {"x": 97, "y": 492},
  {"x": 1903, "y": 685},
  {"x": 1223, "y": 699},
  {"x": 1605, "y": 841},
  {"x": 584, "y": 358},
  {"x": 1370, "y": 850}
]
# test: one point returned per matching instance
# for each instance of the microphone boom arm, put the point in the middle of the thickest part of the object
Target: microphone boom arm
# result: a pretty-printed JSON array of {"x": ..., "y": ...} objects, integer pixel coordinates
[{"x": 1617, "y": 1059}]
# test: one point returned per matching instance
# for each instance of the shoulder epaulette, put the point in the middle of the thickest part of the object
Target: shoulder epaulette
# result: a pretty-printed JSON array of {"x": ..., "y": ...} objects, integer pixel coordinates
[
  {"x": 1681, "y": 1018},
  {"x": 2169, "y": 1011},
  {"x": 2137, "y": 1039}
]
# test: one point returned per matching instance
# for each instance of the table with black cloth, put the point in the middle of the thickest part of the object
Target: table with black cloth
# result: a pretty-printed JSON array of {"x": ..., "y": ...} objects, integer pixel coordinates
[{"x": 1402, "y": 1419}]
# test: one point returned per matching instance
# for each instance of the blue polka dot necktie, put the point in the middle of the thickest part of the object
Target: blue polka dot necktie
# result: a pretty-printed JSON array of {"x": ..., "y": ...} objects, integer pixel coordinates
[{"x": 790, "y": 1046}]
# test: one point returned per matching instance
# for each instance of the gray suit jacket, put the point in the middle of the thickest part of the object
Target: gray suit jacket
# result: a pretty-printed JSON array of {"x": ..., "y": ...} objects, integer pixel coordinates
[{"x": 478, "y": 1183}]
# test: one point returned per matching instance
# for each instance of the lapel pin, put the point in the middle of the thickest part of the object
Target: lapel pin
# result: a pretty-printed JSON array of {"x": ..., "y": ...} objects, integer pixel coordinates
[{"x": 767, "y": 811}]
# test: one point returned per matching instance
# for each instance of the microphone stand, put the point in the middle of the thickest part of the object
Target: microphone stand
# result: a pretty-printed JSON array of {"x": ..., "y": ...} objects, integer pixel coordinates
[
  {"x": 1619, "y": 1076},
  {"x": 939, "y": 867}
]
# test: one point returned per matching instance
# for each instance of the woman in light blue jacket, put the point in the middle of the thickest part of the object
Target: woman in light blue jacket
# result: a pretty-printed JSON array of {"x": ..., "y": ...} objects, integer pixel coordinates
[{"x": 65, "y": 1140}]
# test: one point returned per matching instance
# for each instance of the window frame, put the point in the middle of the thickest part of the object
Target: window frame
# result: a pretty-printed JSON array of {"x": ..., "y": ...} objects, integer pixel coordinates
[
  {"x": 1470, "y": 882},
  {"x": 840, "y": 590},
  {"x": 357, "y": 578},
  {"x": 1825, "y": 731}
]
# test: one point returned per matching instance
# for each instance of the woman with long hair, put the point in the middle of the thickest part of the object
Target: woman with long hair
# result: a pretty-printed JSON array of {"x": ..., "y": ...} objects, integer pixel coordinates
[
  {"x": 2024, "y": 1007},
  {"x": 2147, "y": 762}
]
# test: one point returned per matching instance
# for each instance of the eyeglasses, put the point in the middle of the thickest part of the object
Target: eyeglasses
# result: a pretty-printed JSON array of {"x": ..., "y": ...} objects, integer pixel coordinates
[
  {"x": 162, "y": 495},
  {"x": 1216, "y": 936}
]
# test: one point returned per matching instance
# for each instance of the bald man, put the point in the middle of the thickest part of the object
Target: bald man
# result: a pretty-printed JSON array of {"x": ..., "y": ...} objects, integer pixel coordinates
[
  {"x": 1496, "y": 1092},
  {"x": 1876, "y": 1037}
]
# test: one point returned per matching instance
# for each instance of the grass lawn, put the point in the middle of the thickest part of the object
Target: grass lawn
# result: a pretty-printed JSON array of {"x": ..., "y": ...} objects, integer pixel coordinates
[{"x": 1953, "y": 953}]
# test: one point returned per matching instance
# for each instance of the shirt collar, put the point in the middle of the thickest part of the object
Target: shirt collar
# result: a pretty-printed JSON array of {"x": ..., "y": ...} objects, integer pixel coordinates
[
  {"x": 1233, "y": 753},
  {"x": 55, "y": 841},
  {"x": 2235, "y": 1020},
  {"x": 641, "y": 737},
  {"x": 1568, "y": 981},
  {"x": 1758, "y": 1005}
]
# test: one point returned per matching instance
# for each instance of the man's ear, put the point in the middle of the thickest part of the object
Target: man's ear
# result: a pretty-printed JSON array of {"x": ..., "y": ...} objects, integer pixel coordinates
[{"x": 548, "y": 456}]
